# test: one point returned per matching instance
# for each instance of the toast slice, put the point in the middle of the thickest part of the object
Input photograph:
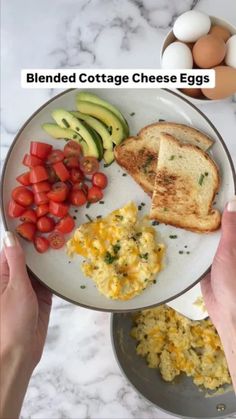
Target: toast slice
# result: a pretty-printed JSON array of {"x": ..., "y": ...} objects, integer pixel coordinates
[
  {"x": 185, "y": 186},
  {"x": 138, "y": 155}
]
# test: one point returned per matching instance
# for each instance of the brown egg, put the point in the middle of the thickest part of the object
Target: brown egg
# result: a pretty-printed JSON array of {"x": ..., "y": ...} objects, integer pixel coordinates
[
  {"x": 221, "y": 32},
  {"x": 209, "y": 51},
  {"x": 194, "y": 92},
  {"x": 225, "y": 83}
]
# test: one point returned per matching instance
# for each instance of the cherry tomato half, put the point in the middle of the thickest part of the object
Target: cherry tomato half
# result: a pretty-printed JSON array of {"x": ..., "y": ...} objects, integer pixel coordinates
[
  {"x": 41, "y": 198},
  {"x": 81, "y": 186},
  {"x": 89, "y": 165},
  {"x": 65, "y": 225},
  {"x": 76, "y": 175},
  {"x": 100, "y": 180},
  {"x": 31, "y": 161},
  {"x": 58, "y": 192},
  {"x": 95, "y": 194},
  {"x": 14, "y": 209},
  {"x": 59, "y": 209},
  {"x": 29, "y": 215},
  {"x": 24, "y": 178},
  {"x": 23, "y": 196},
  {"x": 55, "y": 156},
  {"x": 45, "y": 224},
  {"x": 78, "y": 198},
  {"x": 39, "y": 149},
  {"x": 42, "y": 209},
  {"x": 41, "y": 187},
  {"x": 56, "y": 240},
  {"x": 72, "y": 148},
  {"x": 52, "y": 177},
  {"x": 61, "y": 171},
  {"x": 41, "y": 244},
  {"x": 71, "y": 162},
  {"x": 26, "y": 230},
  {"x": 38, "y": 174}
]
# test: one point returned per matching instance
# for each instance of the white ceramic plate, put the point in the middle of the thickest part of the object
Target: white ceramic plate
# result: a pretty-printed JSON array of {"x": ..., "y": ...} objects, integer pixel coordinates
[{"x": 182, "y": 270}]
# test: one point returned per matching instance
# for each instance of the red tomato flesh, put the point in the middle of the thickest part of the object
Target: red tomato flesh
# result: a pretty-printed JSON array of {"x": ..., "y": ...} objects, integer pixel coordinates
[
  {"x": 58, "y": 192},
  {"x": 31, "y": 161},
  {"x": 52, "y": 177},
  {"x": 41, "y": 198},
  {"x": 41, "y": 187},
  {"x": 89, "y": 165},
  {"x": 29, "y": 215},
  {"x": 65, "y": 225},
  {"x": 61, "y": 171},
  {"x": 24, "y": 178},
  {"x": 45, "y": 224},
  {"x": 95, "y": 194},
  {"x": 59, "y": 209},
  {"x": 39, "y": 149},
  {"x": 78, "y": 198},
  {"x": 55, "y": 156},
  {"x": 100, "y": 180},
  {"x": 26, "y": 230},
  {"x": 38, "y": 174},
  {"x": 23, "y": 196},
  {"x": 72, "y": 148},
  {"x": 56, "y": 240},
  {"x": 41, "y": 244},
  {"x": 72, "y": 162},
  {"x": 15, "y": 210},
  {"x": 42, "y": 209},
  {"x": 81, "y": 186},
  {"x": 76, "y": 175}
]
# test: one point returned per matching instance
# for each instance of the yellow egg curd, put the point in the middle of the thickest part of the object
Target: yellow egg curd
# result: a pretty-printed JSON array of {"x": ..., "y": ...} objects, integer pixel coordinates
[{"x": 122, "y": 255}]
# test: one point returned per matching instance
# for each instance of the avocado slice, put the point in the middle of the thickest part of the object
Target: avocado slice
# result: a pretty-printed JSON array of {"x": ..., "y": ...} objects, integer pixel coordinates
[
  {"x": 66, "y": 120},
  {"x": 65, "y": 133},
  {"x": 99, "y": 127},
  {"x": 106, "y": 116},
  {"x": 108, "y": 157},
  {"x": 97, "y": 140},
  {"x": 90, "y": 97}
]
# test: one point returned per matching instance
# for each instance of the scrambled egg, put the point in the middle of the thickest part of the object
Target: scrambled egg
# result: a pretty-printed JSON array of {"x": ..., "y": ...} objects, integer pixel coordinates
[
  {"x": 121, "y": 252},
  {"x": 175, "y": 344}
]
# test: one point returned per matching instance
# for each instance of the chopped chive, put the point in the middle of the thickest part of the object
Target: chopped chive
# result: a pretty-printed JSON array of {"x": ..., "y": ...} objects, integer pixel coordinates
[
  {"x": 101, "y": 202},
  {"x": 88, "y": 217},
  {"x": 200, "y": 180},
  {"x": 82, "y": 287},
  {"x": 172, "y": 157},
  {"x": 124, "y": 174},
  {"x": 139, "y": 207},
  {"x": 181, "y": 252},
  {"x": 69, "y": 261},
  {"x": 76, "y": 210},
  {"x": 109, "y": 259},
  {"x": 74, "y": 217},
  {"x": 143, "y": 204},
  {"x": 173, "y": 236},
  {"x": 64, "y": 121},
  {"x": 106, "y": 165},
  {"x": 74, "y": 136},
  {"x": 144, "y": 256},
  {"x": 116, "y": 248},
  {"x": 88, "y": 204},
  {"x": 161, "y": 120},
  {"x": 77, "y": 128},
  {"x": 154, "y": 281},
  {"x": 206, "y": 173},
  {"x": 186, "y": 246},
  {"x": 132, "y": 113},
  {"x": 98, "y": 217},
  {"x": 188, "y": 253},
  {"x": 155, "y": 223},
  {"x": 120, "y": 217}
]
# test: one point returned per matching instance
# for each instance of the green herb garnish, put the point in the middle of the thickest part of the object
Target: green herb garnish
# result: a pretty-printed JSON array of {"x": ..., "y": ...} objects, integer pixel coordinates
[
  {"x": 206, "y": 173},
  {"x": 181, "y": 252},
  {"x": 101, "y": 202},
  {"x": 149, "y": 159},
  {"x": 200, "y": 180},
  {"x": 110, "y": 130},
  {"x": 116, "y": 248},
  {"x": 155, "y": 223},
  {"x": 77, "y": 128},
  {"x": 88, "y": 204},
  {"x": 98, "y": 217},
  {"x": 82, "y": 287},
  {"x": 74, "y": 136},
  {"x": 108, "y": 258},
  {"x": 140, "y": 207},
  {"x": 172, "y": 157},
  {"x": 144, "y": 256},
  {"x": 64, "y": 121},
  {"x": 124, "y": 174},
  {"x": 173, "y": 236},
  {"x": 120, "y": 217},
  {"x": 88, "y": 217},
  {"x": 132, "y": 113},
  {"x": 154, "y": 281}
]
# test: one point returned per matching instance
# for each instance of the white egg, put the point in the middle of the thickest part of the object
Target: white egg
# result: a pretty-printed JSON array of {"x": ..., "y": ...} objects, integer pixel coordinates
[
  {"x": 230, "y": 58},
  {"x": 177, "y": 55},
  {"x": 191, "y": 25}
]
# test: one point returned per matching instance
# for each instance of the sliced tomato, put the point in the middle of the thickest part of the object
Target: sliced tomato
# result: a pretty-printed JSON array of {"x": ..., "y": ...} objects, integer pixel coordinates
[
  {"x": 39, "y": 149},
  {"x": 72, "y": 148},
  {"x": 31, "y": 161},
  {"x": 29, "y": 215},
  {"x": 89, "y": 165},
  {"x": 41, "y": 198},
  {"x": 15, "y": 210},
  {"x": 24, "y": 178},
  {"x": 45, "y": 224},
  {"x": 26, "y": 230},
  {"x": 55, "y": 156},
  {"x": 52, "y": 177},
  {"x": 65, "y": 225},
  {"x": 41, "y": 244},
  {"x": 56, "y": 240},
  {"x": 80, "y": 186},
  {"x": 78, "y": 198},
  {"x": 72, "y": 162},
  {"x": 95, "y": 194},
  {"x": 100, "y": 180},
  {"x": 76, "y": 175},
  {"x": 38, "y": 174},
  {"x": 59, "y": 209},
  {"x": 41, "y": 187},
  {"x": 42, "y": 209},
  {"x": 58, "y": 192},
  {"x": 61, "y": 171},
  {"x": 23, "y": 196}
]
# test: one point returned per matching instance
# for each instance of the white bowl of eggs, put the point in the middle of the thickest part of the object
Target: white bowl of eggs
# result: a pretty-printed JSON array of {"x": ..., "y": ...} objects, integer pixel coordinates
[{"x": 203, "y": 42}]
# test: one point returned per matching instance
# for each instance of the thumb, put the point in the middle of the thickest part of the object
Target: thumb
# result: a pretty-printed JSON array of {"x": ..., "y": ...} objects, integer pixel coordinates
[
  {"x": 229, "y": 224},
  {"x": 15, "y": 259}
]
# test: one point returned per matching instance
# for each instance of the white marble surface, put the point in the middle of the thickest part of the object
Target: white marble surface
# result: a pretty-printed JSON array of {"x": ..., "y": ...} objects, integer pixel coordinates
[{"x": 78, "y": 376}]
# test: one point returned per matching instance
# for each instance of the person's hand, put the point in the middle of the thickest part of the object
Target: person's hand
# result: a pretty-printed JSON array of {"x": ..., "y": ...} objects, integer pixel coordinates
[
  {"x": 25, "y": 308},
  {"x": 219, "y": 286}
]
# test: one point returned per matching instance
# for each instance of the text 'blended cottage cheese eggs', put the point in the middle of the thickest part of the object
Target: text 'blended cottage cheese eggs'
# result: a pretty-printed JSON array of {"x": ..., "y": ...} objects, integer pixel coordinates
[{"x": 122, "y": 255}]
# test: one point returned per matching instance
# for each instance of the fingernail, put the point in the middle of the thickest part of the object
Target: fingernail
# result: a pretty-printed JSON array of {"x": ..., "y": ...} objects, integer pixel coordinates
[
  {"x": 9, "y": 239},
  {"x": 231, "y": 207}
]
